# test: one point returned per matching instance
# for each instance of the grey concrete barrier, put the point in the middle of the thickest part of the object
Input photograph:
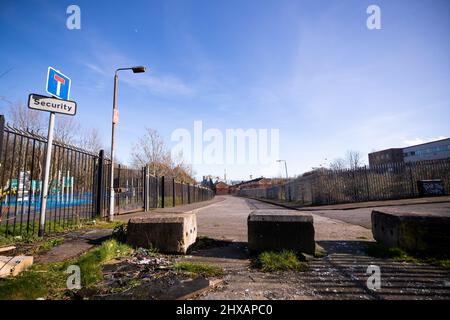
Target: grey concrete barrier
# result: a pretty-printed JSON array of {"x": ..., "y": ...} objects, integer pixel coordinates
[
  {"x": 425, "y": 233},
  {"x": 280, "y": 229},
  {"x": 168, "y": 232}
]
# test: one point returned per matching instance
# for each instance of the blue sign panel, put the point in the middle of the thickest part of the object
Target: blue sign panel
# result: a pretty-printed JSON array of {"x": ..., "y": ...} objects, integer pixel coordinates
[{"x": 58, "y": 84}]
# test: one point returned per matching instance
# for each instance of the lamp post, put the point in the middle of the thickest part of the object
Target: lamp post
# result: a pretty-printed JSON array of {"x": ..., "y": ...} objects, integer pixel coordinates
[
  {"x": 285, "y": 167},
  {"x": 287, "y": 177},
  {"x": 138, "y": 69}
]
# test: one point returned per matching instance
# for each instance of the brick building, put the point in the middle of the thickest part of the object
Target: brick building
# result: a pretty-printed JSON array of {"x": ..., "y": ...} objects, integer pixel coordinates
[
  {"x": 384, "y": 157},
  {"x": 222, "y": 188}
]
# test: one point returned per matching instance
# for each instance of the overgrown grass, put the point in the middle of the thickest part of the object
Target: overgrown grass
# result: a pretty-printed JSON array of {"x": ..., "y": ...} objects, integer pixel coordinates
[
  {"x": 40, "y": 281},
  {"x": 19, "y": 234},
  {"x": 285, "y": 260},
  {"x": 201, "y": 269},
  {"x": 380, "y": 251},
  {"x": 49, "y": 280},
  {"x": 90, "y": 263}
]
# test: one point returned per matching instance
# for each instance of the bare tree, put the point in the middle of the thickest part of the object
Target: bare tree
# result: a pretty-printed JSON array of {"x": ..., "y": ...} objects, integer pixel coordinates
[
  {"x": 27, "y": 119},
  {"x": 90, "y": 140},
  {"x": 182, "y": 171},
  {"x": 66, "y": 129},
  {"x": 151, "y": 150},
  {"x": 354, "y": 159},
  {"x": 338, "y": 164}
]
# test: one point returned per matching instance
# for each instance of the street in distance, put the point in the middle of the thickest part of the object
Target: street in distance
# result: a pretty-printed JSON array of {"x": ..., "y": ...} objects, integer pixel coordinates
[{"x": 43, "y": 103}]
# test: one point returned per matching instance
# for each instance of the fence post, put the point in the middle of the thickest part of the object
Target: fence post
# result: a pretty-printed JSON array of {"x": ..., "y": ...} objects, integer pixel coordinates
[
  {"x": 413, "y": 193},
  {"x": 162, "y": 192},
  {"x": 182, "y": 192},
  {"x": 100, "y": 196},
  {"x": 2, "y": 130},
  {"x": 146, "y": 189},
  {"x": 174, "y": 198},
  {"x": 367, "y": 183},
  {"x": 189, "y": 193}
]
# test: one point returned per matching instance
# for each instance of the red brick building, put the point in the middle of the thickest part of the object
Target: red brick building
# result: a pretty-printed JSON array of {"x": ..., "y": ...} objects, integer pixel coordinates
[
  {"x": 222, "y": 188},
  {"x": 258, "y": 183}
]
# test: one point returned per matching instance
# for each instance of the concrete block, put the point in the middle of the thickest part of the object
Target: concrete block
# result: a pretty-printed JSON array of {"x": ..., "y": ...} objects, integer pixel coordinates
[
  {"x": 280, "y": 229},
  {"x": 414, "y": 232},
  {"x": 169, "y": 232},
  {"x": 12, "y": 266}
]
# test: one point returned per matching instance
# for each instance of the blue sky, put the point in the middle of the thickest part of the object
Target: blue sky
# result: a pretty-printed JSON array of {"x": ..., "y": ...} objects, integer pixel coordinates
[{"x": 311, "y": 69}]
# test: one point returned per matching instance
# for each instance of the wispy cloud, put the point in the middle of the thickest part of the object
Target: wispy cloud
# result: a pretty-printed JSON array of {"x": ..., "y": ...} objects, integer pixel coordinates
[
  {"x": 104, "y": 60},
  {"x": 161, "y": 85}
]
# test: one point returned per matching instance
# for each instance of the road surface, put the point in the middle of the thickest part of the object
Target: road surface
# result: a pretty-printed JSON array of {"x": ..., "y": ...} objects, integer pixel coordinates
[{"x": 341, "y": 274}]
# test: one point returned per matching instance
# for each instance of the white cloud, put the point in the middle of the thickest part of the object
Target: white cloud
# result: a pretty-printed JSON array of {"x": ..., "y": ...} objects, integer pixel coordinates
[{"x": 412, "y": 142}]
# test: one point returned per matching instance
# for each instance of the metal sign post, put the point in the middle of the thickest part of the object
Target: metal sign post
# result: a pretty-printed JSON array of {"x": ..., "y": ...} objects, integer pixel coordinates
[
  {"x": 44, "y": 193},
  {"x": 58, "y": 85}
]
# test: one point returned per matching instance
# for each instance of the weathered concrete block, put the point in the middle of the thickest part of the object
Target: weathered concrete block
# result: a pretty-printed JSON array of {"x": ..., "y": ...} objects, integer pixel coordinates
[
  {"x": 169, "y": 232},
  {"x": 281, "y": 229},
  {"x": 412, "y": 231}
]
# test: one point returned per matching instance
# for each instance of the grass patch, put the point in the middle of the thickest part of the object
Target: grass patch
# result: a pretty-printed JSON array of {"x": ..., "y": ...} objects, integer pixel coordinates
[
  {"x": 39, "y": 281},
  {"x": 443, "y": 263},
  {"x": 49, "y": 280},
  {"x": 285, "y": 260},
  {"x": 90, "y": 263},
  {"x": 201, "y": 269},
  {"x": 46, "y": 245},
  {"x": 19, "y": 234},
  {"x": 380, "y": 251}
]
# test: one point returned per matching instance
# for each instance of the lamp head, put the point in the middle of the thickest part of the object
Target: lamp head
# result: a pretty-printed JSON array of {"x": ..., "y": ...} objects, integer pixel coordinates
[{"x": 138, "y": 69}]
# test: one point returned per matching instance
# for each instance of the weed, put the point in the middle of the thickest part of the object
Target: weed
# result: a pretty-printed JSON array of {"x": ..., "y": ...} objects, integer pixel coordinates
[
  {"x": 285, "y": 260},
  {"x": 202, "y": 269}
]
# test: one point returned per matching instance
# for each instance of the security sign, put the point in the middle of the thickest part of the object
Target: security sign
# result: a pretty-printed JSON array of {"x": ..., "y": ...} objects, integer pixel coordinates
[
  {"x": 58, "y": 84},
  {"x": 38, "y": 102}
]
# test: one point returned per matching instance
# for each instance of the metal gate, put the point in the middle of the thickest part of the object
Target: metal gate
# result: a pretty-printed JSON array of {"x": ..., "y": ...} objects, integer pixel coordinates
[{"x": 129, "y": 189}]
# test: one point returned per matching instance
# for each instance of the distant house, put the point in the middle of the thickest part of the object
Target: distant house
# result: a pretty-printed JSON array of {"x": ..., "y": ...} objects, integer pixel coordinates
[
  {"x": 222, "y": 188},
  {"x": 258, "y": 183}
]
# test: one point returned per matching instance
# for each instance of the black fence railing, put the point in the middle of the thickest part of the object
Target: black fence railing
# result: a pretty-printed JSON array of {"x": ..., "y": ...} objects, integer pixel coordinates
[
  {"x": 384, "y": 182},
  {"x": 79, "y": 185},
  {"x": 72, "y": 183}
]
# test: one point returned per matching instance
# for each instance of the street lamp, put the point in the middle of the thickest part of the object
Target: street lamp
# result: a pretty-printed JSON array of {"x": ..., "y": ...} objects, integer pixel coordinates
[
  {"x": 287, "y": 178},
  {"x": 285, "y": 167},
  {"x": 115, "y": 119}
]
